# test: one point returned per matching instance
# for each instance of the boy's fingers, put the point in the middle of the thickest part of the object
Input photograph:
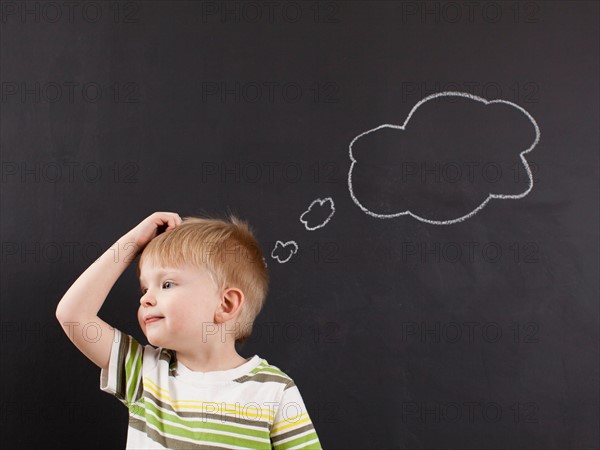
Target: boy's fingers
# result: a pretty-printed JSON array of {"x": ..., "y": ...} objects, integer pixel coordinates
[
  {"x": 174, "y": 222},
  {"x": 170, "y": 220},
  {"x": 176, "y": 219}
]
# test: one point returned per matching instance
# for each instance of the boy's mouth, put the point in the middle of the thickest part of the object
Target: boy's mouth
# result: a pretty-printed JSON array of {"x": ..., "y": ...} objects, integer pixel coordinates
[{"x": 151, "y": 319}]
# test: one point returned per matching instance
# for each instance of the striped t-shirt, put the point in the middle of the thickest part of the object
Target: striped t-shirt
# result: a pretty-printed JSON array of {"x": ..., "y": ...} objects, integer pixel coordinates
[{"x": 254, "y": 405}]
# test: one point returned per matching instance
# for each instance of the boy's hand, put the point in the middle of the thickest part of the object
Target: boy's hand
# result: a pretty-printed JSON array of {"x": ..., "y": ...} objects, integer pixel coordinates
[{"x": 152, "y": 226}]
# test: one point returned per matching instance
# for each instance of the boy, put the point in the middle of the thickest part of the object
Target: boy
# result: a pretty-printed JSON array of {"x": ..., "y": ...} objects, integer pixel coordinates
[{"x": 203, "y": 282}]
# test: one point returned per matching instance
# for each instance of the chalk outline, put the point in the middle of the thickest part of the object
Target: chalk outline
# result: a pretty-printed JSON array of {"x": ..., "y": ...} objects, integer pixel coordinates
[
  {"x": 284, "y": 245},
  {"x": 321, "y": 201},
  {"x": 490, "y": 196}
]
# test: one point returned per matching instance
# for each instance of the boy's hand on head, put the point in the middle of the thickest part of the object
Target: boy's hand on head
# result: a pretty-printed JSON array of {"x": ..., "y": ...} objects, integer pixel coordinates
[{"x": 152, "y": 226}]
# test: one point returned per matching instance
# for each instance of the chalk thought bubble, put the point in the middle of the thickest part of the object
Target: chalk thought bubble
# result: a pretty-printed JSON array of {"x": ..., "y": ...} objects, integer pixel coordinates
[
  {"x": 453, "y": 154},
  {"x": 283, "y": 251},
  {"x": 319, "y": 212}
]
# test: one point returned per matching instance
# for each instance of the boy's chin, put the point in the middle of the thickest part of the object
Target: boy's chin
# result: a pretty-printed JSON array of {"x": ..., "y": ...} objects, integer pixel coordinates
[
  {"x": 152, "y": 339},
  {"x": 154, "y": 342}
]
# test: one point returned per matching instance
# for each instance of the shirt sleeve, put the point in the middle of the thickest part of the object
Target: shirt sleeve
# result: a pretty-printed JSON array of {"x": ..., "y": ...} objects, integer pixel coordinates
[
  {"x": 292, "y": 427},
  {"x": 123, "y": 377}
]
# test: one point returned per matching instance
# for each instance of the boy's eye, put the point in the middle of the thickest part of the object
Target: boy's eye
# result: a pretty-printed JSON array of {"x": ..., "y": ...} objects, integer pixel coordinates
[{"x": 143, "y": 290}]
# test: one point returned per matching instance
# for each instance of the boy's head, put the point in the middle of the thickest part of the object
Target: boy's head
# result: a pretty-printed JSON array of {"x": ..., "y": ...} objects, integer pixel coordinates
[{"x": 224, "y": 249}]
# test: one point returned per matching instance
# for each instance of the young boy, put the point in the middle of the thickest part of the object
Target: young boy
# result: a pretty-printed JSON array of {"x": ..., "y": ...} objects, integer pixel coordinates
[{"x": 203, "y": 282}]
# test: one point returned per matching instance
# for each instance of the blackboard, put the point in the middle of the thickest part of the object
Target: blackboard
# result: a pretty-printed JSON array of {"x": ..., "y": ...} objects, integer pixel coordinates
[{"x": 445, "y": 295}]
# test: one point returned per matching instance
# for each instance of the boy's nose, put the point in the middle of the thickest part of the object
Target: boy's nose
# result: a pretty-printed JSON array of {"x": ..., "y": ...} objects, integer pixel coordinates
[{"x": 147, "y": 300}]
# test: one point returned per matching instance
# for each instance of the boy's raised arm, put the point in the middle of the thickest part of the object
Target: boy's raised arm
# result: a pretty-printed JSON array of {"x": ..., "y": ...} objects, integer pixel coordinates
[{"x": 78, "y": 309}]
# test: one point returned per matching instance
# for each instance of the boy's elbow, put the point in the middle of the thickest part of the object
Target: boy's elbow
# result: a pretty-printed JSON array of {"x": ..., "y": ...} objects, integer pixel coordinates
[
  {"x": 59, "y": 310},
  {"x": 61, "y": 313}
]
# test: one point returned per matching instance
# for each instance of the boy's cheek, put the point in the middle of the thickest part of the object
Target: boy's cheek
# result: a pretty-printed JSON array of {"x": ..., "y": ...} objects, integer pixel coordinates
[{"x": 141, "y": 321}]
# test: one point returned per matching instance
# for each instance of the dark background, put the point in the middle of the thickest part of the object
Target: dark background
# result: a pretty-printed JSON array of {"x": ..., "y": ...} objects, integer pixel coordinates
[{"x": 393, "y": 339}]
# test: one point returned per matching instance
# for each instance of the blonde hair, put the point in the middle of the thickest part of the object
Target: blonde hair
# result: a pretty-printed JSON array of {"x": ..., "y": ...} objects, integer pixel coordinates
[{"x": 230, "y": 253}]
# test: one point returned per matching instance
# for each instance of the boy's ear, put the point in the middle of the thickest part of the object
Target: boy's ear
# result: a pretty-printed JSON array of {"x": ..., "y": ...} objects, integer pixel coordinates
[{"x": 230, "y": 305}]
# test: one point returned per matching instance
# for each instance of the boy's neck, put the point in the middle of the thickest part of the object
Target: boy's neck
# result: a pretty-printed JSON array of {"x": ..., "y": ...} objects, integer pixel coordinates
[{"x": 211, "y": 359}]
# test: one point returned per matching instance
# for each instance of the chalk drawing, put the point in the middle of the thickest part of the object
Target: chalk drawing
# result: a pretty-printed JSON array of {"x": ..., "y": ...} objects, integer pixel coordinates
[
  {"x": 289, "y": 246},
  {"x": 292, "y": 246},
  {"x": 329, "y": 202},
  {"x": 490, "y": 196}
]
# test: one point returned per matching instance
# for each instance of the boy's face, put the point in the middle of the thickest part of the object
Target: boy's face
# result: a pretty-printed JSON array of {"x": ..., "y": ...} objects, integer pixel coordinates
[{"x": 185, "y": 298}]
